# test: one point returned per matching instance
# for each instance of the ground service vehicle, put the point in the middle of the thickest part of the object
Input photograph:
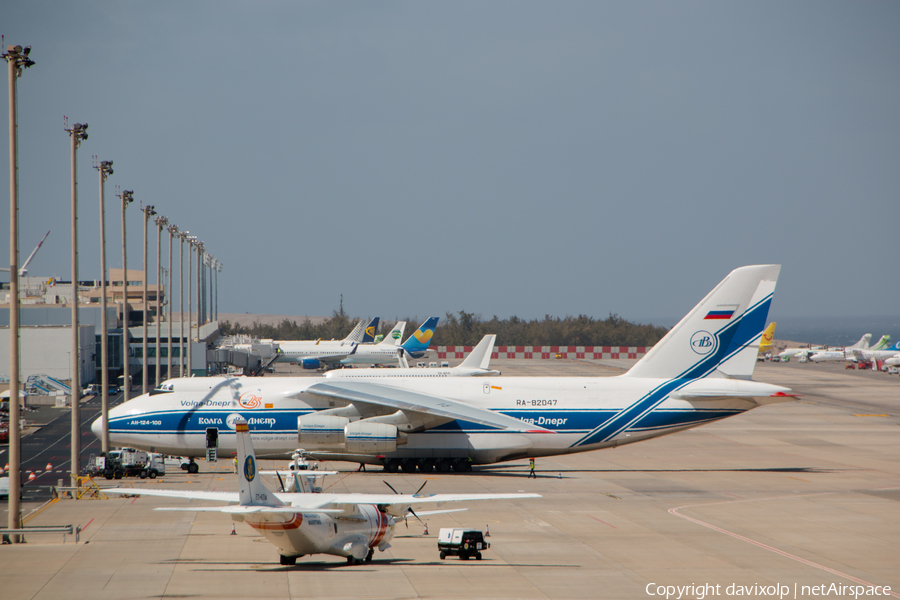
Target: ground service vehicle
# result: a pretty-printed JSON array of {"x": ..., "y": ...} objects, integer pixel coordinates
[
  {"x": 128, "y": 462},
  {"x": 463, "y": 543}
]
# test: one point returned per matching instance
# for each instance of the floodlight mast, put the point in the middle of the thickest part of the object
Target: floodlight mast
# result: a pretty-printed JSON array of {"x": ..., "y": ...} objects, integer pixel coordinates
[
  {"x": 190, "y": 364},
  {"x": 127, "y": 197},
  {"x": 77, "y": 134},
  {"x": 161, "y": 223},
  {"x": 173, "y": 232},
  {"x": 17, "y": 60},
  {"x": 148, "y": 211},
  {"x": 183, "y": 236},
  {"x": 105, "y": 169}
]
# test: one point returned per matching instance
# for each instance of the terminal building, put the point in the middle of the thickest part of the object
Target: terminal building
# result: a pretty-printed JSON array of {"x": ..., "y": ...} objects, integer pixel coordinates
[{"x": 45, "y": 333}]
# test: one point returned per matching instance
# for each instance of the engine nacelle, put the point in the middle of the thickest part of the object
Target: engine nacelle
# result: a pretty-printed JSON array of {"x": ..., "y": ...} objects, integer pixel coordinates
[
  {"x": 310, "y": 363},
  {"x": 366, "y": 437},
  {"x": 338, "y": 433},
  {"x": 321, "y": 430}
]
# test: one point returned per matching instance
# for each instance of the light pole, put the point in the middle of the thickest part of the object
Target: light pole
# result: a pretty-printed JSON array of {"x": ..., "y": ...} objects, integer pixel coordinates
[
  {"x": 105, "y": 169},
  {"x": 199, "y": 260},
  {"x": 17, "y": 59},
  {"x": 183, "y": 236},
  {"x": 190, "y": 365},
  {"x": 173, "y": 231},
  {"x": 218, "y": 270},
  {"x": 148, "y": 211},
  {"x": 127, "y": 197},
  {"x": 161, "y": 223},
  {"x": 77, "y": 134}
]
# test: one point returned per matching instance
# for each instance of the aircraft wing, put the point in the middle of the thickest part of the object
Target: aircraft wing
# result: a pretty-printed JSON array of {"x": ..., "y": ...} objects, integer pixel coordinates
[
  {"x": 185, "y": 494},
  {"x": 383, "y": 395},
  {"x": 311, "y": 502}
]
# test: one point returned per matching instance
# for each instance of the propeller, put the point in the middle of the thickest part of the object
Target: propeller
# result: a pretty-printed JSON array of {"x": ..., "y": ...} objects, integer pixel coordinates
[
  {"x": 277, "y": 474},
  {"x": 409, "y": 508}
]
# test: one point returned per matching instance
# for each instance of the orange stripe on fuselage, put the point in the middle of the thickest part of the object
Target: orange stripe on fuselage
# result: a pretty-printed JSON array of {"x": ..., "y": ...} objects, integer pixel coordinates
[
  {"x": 382, "y": 528},
  {"x": 294, "y": 523}
]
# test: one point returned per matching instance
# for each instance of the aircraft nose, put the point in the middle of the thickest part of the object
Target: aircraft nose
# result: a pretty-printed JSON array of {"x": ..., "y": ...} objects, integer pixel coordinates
[{"x": 97, "y": 427}]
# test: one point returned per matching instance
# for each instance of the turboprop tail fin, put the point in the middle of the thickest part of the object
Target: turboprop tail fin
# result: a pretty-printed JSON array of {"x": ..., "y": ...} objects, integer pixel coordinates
[
  {"x": 881, "y": 345},
  {"x": 480, "y": 356},
  {"x": 253, "y": 491},
  {"x": 862, "y": 344},
  {"x": 721, "y": 335}
]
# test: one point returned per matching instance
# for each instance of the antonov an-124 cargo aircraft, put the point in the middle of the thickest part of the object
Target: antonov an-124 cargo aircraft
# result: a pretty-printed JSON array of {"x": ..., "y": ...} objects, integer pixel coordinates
[{"x": 698, "y": 373}]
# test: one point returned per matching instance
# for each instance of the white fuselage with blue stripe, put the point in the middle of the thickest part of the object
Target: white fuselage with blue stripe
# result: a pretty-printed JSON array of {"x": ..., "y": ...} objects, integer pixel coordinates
[{"x": 568, "y": 414}]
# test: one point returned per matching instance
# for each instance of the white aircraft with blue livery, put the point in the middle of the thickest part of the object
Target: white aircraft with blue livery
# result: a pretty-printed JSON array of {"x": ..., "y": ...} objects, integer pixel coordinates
[
  {"x": 300, "y": 523},
  {"x": 476, "y": 364},
  {"x": 318, "y": 354},
  {"x": 700, "y": 372}
]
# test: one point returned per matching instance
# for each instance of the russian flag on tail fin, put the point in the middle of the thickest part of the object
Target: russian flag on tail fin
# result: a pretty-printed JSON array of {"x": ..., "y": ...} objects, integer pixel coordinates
[
  {"x": 721, "y": 312},
  {"x": 721, "y": 335}
]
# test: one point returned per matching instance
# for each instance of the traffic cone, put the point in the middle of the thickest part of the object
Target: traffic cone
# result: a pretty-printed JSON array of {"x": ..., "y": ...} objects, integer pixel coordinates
[
  {"x": 487, "y": 531},
  {"x": 32, "y": 476},
  {"x": 232, "y": 530},
  {"x": 426, "y": 529},
  {"x": 49, "y": 467}
]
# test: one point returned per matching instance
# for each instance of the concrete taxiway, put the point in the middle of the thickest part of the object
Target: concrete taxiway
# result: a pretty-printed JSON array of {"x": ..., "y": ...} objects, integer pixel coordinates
[{"x": 805, "y": 492}]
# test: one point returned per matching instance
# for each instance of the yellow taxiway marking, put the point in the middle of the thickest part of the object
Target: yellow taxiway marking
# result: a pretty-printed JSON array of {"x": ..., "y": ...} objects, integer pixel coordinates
[
  {"x": 610, "y": 495},
  {"x": 871, "y": 415}
]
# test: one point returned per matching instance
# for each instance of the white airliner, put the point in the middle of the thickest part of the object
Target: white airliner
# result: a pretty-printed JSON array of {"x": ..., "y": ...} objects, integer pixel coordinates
[
  {"x": 316, "y": 354},
  {"x": 698, "y": 373},
  {"x": 811, "y": 351},
  {"x": 879, "y": 354},
  {"x": 474, "y": 365},
  {"x": 846, "y": 353},
  {"x": 350, "y": 525}
]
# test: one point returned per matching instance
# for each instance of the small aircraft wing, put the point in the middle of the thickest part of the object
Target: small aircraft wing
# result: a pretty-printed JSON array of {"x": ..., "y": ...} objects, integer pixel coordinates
[
  {"x": 311, "y": 501},
  {"x": 383, "y": 395},
  {"x": 185, "y": 494}
]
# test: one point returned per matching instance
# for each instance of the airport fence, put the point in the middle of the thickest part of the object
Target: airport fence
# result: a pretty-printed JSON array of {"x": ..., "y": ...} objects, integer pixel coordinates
[{"x": 550, "y": 352}]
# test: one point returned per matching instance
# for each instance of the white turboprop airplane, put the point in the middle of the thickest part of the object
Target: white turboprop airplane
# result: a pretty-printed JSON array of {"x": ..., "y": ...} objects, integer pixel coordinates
[
  {"x": 314, "y": 355},
  {"x": 811, "y": 351},
  {"x": 879, "y": 354},
  {"x": 839, "y": 354},
  {"x": 350, "y": 525},
  {"x": 474, "y": 365},
  {"x": 698, "y": 373}
]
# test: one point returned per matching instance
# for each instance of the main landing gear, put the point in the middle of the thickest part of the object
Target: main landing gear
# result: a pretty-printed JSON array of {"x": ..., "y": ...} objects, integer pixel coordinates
[
  {"x": 427, "y": 465},
  {"x": 289, "y": 560},
  {"x": 191, "y": 466}
]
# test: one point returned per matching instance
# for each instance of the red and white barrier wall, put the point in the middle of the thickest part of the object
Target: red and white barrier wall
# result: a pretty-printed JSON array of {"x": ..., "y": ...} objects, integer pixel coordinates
[{"x": 544, "y": 352}]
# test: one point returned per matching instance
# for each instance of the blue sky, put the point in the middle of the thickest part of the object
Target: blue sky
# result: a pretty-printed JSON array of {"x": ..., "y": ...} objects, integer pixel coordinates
[{"x": 501, "y": 158}]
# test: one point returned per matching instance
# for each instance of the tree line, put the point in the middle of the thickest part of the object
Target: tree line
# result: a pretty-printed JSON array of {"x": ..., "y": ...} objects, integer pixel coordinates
[{"x": 467, "y": 329}]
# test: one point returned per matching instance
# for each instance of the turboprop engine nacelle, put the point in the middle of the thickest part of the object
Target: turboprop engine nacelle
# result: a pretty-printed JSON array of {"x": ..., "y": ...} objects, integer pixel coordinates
[{"x": 328, "y": 431}]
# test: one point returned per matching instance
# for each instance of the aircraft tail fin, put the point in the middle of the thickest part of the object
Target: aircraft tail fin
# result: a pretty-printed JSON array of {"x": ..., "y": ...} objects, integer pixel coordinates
[
  {"x": 765, "y": 342},
  {"x": 253, "y": 492},
  {"x": 420, "y": 339},
  {"x": 480, "y": 356},
  {"x": 394, "y": 337},
  {"x": 356, "y": 335},
  {"x": 370, "y": 331},
  {"x": 720, "y": 336},
  {"x": 862, "y": 344},
  {"x": 882, "y": 343}
]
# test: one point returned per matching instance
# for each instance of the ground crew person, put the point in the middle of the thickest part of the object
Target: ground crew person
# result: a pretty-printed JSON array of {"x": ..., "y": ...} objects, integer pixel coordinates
[
  {"x": 235, "y": 464},
  {"x": 531, "y": 465}
]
